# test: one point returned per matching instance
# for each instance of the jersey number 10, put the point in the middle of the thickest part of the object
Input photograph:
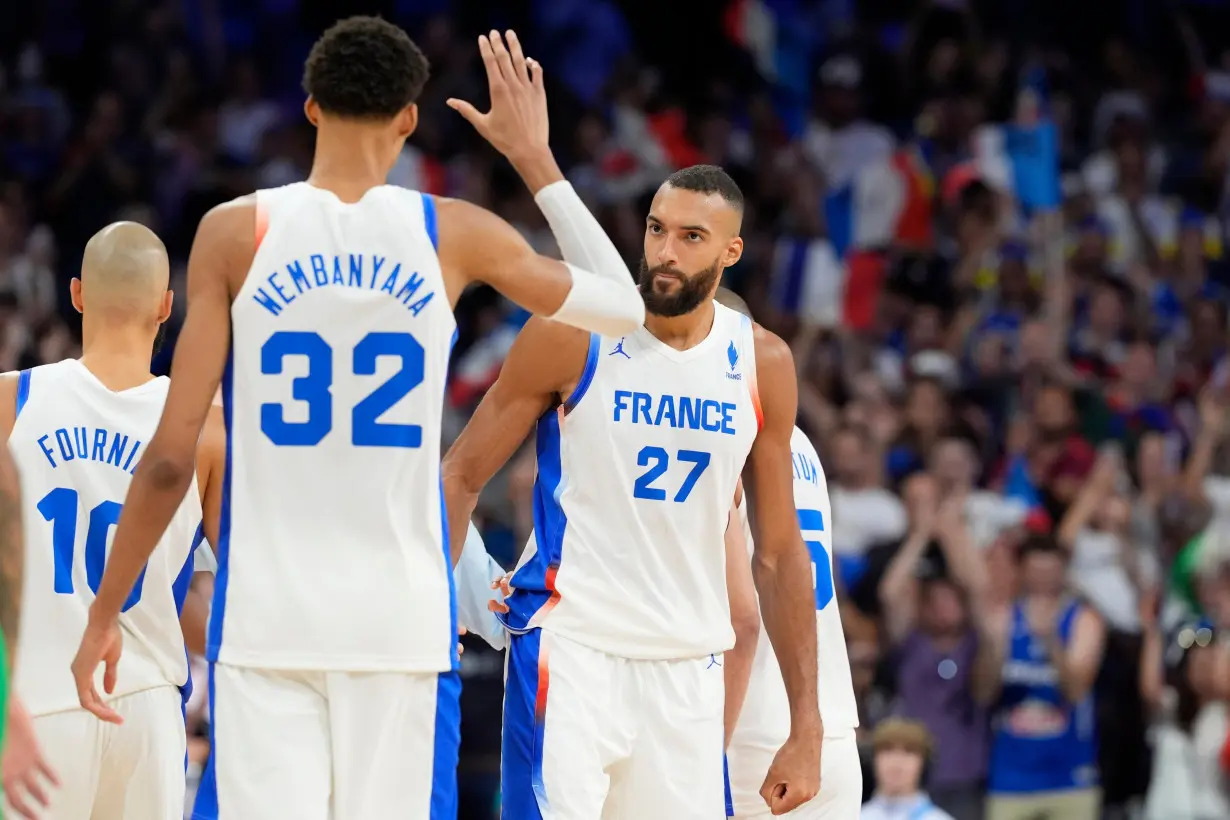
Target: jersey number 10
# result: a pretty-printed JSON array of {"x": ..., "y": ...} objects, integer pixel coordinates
[
  {"x": 313, "y": 389},
  {"x": 60, "y": 508}
]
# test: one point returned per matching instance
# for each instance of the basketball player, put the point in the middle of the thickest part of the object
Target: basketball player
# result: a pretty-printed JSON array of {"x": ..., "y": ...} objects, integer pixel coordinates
[
  {"x": 764, "y": 723},
  {"x": 621, "y": 601},
  {"x": 324, "y": 309},
  {"x": 78, "y": 429}
]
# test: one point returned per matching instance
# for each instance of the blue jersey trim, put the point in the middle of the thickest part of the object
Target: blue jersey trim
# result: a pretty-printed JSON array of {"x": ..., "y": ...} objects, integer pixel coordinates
[
  {"x": 205, "y": 807},
  {"x": 447, "y": 746},
  {"x": 587, "y": 373},
  {"x": 730, "y": 798},
  {"x": 217, "y": 615},
  {"x": 523, "y": 794},
  {"x": 23, "y": 390},
  {"x": 429, "y": 220},
  {"x": 179, "y": 591},
  {"x": 550, "y": 522}
]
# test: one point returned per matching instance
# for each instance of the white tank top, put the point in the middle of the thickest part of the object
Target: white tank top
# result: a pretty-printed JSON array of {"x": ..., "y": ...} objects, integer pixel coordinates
[
  {"x": 764, "y": 722},
  {"x": 76, "y": 445},
  {"x": 334, "y": 546},
  {"x": 636, "y": 475}
]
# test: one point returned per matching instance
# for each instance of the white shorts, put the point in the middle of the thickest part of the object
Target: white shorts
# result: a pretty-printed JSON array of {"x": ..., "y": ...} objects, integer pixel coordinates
[
  {"x": 134, "y": 770},
  {"x": 321, "y": 745},
  {"x": 588, "y": 735},
  {"x": 841, "y": 782}
]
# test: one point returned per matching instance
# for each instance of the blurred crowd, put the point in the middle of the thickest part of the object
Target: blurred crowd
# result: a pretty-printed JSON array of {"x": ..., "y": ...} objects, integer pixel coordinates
[{"x": 1012, "y": 352}]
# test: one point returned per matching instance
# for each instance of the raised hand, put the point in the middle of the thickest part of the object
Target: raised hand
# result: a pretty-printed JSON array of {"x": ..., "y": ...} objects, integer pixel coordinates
[{"x": 517, "y": 123}]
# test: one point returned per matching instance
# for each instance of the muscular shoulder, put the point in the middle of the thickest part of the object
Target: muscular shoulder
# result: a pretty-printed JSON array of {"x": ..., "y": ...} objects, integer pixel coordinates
[
  {"x": 777, "y": 384},
  {"x": 228, "y": 234},
  {"x": 773, "y": 356}
]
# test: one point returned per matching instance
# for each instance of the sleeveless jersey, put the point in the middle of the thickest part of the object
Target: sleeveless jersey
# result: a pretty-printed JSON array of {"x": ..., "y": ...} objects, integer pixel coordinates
[
  {"x": 1041, "y": 742},
  {"x": 765, "y": 719},
  {"x": 76, "y": 444},
  {"x": 636, "y": 476},
  {"x": 334, "y": 546}
]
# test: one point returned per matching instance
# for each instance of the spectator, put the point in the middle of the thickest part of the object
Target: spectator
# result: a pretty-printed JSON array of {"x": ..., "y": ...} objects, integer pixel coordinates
[
  {"x": 902, "y": 750},
  {"x": 864, "y": 512},
  {"x": 1044, "y": 750},
  {"x": 930, "y": 617}
]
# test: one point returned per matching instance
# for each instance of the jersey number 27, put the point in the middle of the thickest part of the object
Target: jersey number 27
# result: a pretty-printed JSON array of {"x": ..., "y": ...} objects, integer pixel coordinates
[
  {"x": 60, "y": 508},
  {"x": 314, "y": 389}
]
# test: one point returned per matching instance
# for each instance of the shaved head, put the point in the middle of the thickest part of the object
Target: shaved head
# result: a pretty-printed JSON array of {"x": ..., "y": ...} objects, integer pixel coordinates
[{"x": 124, "y": 274}]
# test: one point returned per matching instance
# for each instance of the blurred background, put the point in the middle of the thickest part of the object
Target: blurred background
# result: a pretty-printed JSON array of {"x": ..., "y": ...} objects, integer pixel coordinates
[{"x": 994, "y": 233}]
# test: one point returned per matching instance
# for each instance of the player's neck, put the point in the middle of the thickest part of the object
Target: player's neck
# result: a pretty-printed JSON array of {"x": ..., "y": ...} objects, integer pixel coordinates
[
  {"x": 349, "y": 161},
  {"x": 119, "y": 357},
  {"x": 682, "y": 332}
]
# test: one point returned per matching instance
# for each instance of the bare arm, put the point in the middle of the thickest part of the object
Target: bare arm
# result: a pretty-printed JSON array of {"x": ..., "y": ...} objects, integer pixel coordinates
[
  {"x": 222, "y": 252},
  {"x": 543, "y": 365},
  {"x": 12, "y": 546},
  {"x": 1078, "y": 663},
  {"x": 12, "y": 551},
  {"x": 988, "y": 679},
  {"x": 744, "y": 617},
  {"x": 781, "y": 565},
  {"x": 594, "y": 291},
  {"x": 210, "y": 471},
  {"x": 898, "y": 590},
  {"x": 1092, "y": 494}
]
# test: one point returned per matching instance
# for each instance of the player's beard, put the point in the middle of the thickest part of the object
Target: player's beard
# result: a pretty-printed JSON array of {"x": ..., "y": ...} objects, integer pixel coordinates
[{"x": 693, "y": 289}]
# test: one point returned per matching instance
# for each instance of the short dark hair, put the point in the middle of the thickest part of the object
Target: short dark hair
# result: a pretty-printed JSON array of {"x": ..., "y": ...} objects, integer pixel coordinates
[
  {"x": 708, "y": 179},
  {"x": 1042, "y": 544},
  {"x": 365, "y": 68}
]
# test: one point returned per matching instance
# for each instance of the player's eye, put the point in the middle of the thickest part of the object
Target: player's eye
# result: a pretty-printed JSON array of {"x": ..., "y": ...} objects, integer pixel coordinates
[
  {"x": 694, "y": 237},
  {"x": 654, "y": 228}
]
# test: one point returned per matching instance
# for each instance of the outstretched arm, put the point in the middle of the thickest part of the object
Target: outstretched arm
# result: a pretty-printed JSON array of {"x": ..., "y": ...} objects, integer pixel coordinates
[
  {"x": 781, "y": 567},
  {"x": 223, "y": 249},
  {"x": 594, "y": 290},
  {"x": 541, "y": 369}
]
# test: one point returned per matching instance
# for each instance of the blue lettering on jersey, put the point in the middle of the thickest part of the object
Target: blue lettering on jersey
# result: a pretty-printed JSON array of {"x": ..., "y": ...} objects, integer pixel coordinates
[
  {"x": 805, "y": 469},
  {"x": 678, "y": 412},
  {"x": 368, "y": 272},
  {"x": 90, "y": 444}
]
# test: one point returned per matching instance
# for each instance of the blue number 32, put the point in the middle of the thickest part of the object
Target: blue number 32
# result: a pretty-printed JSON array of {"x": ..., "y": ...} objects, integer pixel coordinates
[
  {"x": 314, "y": 389},
  {"x": 60, "y": 508},
  {"x": 660, "y": 460}
]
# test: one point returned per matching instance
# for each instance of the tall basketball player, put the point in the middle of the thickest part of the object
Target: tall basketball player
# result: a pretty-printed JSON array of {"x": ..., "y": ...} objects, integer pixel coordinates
[
  {"x": 324, "y": 309},
  {"x": 78, "y": 429},
  {"x": 614, "y": 692},
  {"x": 764, "y": 723}
]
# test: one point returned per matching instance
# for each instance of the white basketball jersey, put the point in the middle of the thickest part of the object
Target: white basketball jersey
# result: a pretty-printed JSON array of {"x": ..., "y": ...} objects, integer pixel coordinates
[
  {"x": 76, "y": 444},
  {"x": 765, "y": 719},
  {"x": 334, "y": 548},
  {"x": 636, "y": 476}
]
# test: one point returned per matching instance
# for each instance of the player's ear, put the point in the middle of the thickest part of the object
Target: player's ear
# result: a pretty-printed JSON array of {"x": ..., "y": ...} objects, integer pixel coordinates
[
  {"x": 734, "y": 252},
  {"x": 74, "y": 291},
  {"x": 311, "y": 110},
  {"x": 407, "y": 120},
  {"x": 164, "y": 310}
]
